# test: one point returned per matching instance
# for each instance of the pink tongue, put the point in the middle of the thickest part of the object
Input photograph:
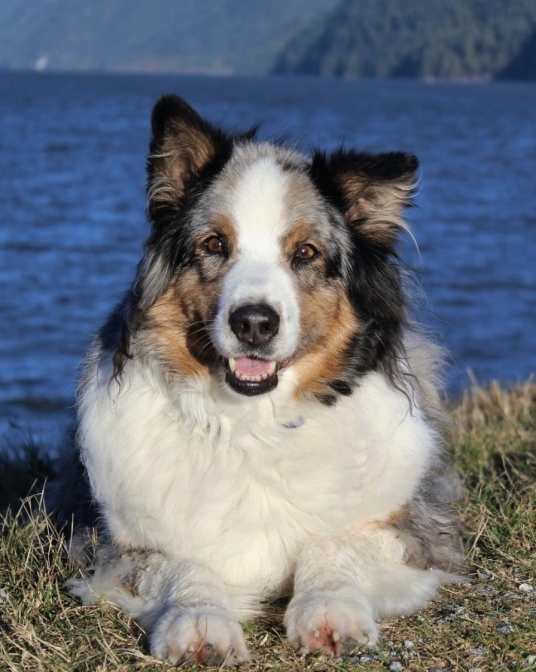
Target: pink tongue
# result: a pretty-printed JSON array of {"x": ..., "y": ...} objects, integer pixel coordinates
[{"x": 251, "y": 367}]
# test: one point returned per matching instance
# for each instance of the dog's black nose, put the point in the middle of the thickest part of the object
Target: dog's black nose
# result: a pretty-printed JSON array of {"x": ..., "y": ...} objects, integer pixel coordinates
[{"x": 254, "y": 325}]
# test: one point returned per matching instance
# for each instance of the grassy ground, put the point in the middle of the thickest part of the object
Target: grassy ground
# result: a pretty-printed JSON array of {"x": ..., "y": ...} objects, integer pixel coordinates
[{"x": 486, "y": 623}]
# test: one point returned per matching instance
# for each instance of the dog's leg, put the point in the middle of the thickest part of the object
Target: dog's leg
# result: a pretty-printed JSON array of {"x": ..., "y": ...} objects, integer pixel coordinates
[
  {"x": 342, "y": 585},
  {"x": 183, "y": 606}
]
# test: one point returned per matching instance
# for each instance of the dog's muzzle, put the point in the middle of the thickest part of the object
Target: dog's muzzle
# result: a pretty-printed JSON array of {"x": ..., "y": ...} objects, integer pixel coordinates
[{"x": 253, "y": 325}]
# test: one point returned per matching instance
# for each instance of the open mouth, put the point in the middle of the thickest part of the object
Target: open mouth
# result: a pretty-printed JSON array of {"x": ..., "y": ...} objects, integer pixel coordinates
[{"x": 251, "y": 376}]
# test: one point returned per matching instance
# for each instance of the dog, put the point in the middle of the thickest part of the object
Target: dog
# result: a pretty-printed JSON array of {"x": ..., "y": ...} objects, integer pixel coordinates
[{"x": 259, "y": 417}]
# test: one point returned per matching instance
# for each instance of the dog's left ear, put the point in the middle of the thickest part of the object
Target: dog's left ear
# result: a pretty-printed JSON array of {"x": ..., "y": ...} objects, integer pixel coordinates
[
  {"x": 183, "y": 146},
  {"x": 371, "y": 190}
]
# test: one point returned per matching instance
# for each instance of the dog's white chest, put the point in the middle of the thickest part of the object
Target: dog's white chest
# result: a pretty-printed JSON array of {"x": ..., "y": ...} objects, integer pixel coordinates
[
  {"x": 246, "y": 512},
  {"x": 245, "y": 495}
]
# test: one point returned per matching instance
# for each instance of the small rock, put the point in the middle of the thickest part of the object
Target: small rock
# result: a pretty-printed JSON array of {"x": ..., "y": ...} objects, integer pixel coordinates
[
  {"x": 483, "y": 575},
  {"x": 510, "y": 596},
  {"x": 531, "y": 660},
  {"x": 480, "y": 652},
  {"x": 525, "y": 588},
  {"x": 475, "y": 669},
  {"x": 505, "y": 629},
  {"x": 365, "y": 658},
  {"x": 396, "y": 667},
  {"x": 487, "y": 590},
  {"x": 408, "y": 644}
]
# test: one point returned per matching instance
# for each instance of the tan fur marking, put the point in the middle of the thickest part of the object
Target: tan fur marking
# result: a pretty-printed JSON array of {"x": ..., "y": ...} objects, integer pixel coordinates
[
  {"x": 394, "y": 519},
  {"x": 376, "y": 207},
  {"x": 431, "y": 539},
  {"x": 177, "y": 322},
  {"x": 131, "y": 582},
  {"x": 197, "y": 145},
  {"x": 331, "y": 321},
  {"x": 223, "y": 225},
  {"x": 301, "y": 233},
  {"x": 184, "y": 152},
  {"x": 353, "y": 185}
]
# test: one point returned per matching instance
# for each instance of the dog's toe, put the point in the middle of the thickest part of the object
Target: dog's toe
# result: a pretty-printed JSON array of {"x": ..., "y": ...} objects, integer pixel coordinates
[
  {"x": 321, "y": 623},
  {"x": 199, "y": 635}
]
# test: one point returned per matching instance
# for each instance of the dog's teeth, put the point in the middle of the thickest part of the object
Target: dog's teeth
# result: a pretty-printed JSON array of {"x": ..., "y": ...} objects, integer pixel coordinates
[
  {"x": 316, "y": 634},
  {"x": 249, "y": 377}
]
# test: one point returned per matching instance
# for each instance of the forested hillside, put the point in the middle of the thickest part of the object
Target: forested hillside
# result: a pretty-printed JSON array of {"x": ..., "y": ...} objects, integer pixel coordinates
[
  {"x": 523, "y": 66},
  {"x": 163, "y": 35},
  {"x": 355, "y": 38},
  {"x": 416, "y": 38}
]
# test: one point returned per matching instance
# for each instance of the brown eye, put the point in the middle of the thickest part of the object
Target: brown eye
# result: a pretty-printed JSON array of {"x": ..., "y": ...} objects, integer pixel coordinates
[
  {"x": 214, "y": 245},
  {"x": 306, "y": 252}
]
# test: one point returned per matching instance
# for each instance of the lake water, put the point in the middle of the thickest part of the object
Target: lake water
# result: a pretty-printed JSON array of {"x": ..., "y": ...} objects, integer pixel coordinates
[{"x": 72, "y": 225}]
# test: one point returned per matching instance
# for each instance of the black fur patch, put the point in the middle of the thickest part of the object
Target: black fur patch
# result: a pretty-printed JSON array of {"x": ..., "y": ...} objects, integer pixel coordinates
[
  {"x": 326, "y": 399},
  {"x": 373, "y": 168},
  {"x": 374, "y": 284},
  {"x": 341, "y": 387}
]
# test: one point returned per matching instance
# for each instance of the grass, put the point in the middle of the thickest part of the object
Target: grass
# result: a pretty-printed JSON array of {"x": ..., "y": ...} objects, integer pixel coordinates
[{"x": 486, "y": 623}]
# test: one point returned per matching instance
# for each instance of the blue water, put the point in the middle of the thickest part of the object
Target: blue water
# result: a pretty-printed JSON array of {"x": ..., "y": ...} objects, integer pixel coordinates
[{"x": 72, "y": 156}]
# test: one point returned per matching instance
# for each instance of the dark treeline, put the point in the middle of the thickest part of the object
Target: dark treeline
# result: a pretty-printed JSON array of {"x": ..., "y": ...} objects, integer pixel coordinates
[{"x": 436, "y": 38}]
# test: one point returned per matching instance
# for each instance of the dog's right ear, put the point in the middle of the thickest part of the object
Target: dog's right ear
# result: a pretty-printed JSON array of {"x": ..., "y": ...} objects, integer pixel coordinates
[{"x": 183, "y": 146}]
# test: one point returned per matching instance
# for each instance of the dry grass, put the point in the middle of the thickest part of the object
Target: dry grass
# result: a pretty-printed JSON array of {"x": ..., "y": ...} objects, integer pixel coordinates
[{"x": 486, "y": 623}]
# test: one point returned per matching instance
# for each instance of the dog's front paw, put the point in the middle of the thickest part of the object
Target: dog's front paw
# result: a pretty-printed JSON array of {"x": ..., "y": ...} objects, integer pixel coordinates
[
  {"x": 203, "y": 635},
  {"x": 321, "y": 622}
]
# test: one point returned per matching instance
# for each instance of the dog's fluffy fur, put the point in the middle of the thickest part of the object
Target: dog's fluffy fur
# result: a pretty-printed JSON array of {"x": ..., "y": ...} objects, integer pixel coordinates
[{"x": 258, "y": 418}]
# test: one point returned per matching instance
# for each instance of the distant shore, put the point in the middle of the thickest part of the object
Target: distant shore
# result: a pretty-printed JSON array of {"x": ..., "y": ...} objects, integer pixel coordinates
[{"x": 484, "y": 78}]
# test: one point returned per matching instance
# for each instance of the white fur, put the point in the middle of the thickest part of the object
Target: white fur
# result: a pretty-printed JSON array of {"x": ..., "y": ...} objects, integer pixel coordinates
[
  {"x": 197, "y": 474},
  {"x": 183, "y": 605},
  {"x": 259, "y": 276}
]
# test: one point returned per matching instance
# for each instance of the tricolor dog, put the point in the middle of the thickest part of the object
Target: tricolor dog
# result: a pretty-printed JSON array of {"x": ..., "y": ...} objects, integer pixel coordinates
[{"x": 258, "y": 418}]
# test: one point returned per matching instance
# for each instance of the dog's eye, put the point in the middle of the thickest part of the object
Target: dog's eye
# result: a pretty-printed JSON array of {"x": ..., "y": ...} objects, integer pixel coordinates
[
  {"x": 214, "y": 245},
  {"x": 306, "y": 252}
]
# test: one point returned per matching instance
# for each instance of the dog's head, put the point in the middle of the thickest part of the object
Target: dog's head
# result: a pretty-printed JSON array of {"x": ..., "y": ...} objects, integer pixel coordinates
[{"x": 261, "y": 259}]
